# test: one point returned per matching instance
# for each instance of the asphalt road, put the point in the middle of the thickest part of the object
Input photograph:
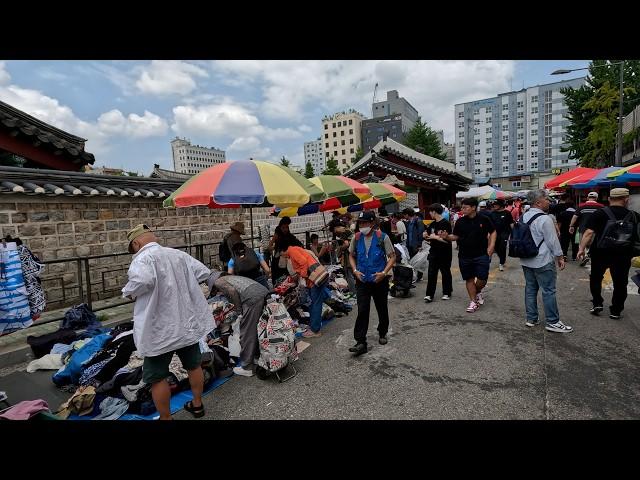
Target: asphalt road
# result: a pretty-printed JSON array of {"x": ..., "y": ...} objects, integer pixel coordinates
[{"x": 444, "y": 363}]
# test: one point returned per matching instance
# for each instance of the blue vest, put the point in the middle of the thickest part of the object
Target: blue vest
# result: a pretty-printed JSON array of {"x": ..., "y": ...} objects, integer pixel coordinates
[{"x": 375, "y": 261}]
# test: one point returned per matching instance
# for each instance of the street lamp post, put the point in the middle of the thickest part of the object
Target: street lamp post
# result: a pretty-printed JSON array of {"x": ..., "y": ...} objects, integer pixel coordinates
[{"x": 618, "y": 161}]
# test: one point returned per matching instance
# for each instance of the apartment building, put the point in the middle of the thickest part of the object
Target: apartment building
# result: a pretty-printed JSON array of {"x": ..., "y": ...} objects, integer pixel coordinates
[
  {"x": 341, "y": 137},
  {"x": 193, "y": 159},
  {"x": 314, "y": 154}
]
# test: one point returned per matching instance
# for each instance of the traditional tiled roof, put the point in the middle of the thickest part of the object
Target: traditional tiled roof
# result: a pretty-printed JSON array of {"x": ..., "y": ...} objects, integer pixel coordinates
[
  {"x": 35, "y": 181},
  {"x": 22, "y": 124},
  {"x": 168, "y": 174},
  {"x": 390, "y": 145}
]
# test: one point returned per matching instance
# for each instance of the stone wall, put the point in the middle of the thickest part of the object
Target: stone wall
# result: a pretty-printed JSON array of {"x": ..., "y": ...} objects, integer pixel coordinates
[{"x": 59, "y": 228}]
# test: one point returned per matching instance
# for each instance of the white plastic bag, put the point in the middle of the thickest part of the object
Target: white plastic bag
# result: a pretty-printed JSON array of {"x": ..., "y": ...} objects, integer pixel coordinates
[
  {"x": 234, "y": 338},
  {"x": 420, "y": 261}
]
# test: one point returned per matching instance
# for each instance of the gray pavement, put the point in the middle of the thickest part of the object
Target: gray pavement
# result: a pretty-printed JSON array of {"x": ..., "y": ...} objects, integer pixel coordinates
[{"x": 444, "y": 363}]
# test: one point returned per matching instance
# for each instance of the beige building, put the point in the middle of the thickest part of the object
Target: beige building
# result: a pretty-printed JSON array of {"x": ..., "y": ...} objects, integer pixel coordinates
[{"x": 341, "y": 137}]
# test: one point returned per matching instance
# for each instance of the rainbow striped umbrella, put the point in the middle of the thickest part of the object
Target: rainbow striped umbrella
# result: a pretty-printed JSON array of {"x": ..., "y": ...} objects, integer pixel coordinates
[
  {"x": 340, "y": 191},
  {"x": 245, "y": 183},
  {"x": 589, "y": 179},
  {"x": 626, "y": 176}
]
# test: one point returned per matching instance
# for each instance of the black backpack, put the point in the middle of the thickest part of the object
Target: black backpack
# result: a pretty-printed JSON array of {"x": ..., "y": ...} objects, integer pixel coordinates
[
  {"x": 521, "y": 244},
  {"x": 618, "y": 234},
  {"x": 247, "y": 266},
  {"x": 223, "y": 250}
]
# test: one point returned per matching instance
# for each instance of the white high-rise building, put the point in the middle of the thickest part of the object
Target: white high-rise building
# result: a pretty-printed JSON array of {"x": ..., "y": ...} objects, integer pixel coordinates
[
  {"x": 342, "y": 137},
  {"x": 193, "y": 159},
  {"x": 515, "y": 133},
  {"x": 314, "y": 154}
]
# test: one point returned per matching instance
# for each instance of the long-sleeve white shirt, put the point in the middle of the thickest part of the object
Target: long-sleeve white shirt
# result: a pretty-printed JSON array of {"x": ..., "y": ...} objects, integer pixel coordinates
[
  {"x": 171, "y": 311},
  {"x": 542, "y": 228}
]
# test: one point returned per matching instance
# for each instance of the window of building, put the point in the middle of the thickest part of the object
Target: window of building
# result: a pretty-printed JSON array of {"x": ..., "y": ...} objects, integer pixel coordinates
[
  {"x": 339, "y": 124},
  {"x": 505, "y": 138},
  {"x": 521, "y": 146},
  {"x": 476, "y": 122},
  {"x": 505, "y": 117},
  {"x": 351, "y": 131},
  {"x": 351, "y": 141},
  {"x": 335, "y": 153},
  {"x": 461, "y": 163},
  {"x": 476, "y": 141},
  {"x": 476, "y": 151},
  {"x": 334, "y": 124},
  {"x": 548, "y": 119},
  {"x": 342, "y": 133},
  {"x": 351, "y": 122},
  {"x": 477, "y": 171},
  {"x": 461, "y": 153},
  {"x": 520, "y": 104},
  {"x": 520, "y": 157},
  {"x": 505, "y": 148},
  {"x": 488, "y": 160},
  {"x": 534, "y": 133},
  {"x": 341, "y": 142},
  {"x": 505, "y": 128},
  {"x": 505, "y": 168},
  {"x": 505, "y": 106},
  {"x": 534, "y": 154},
  {"x": 343, "y": 152},
  {"x": 547, "y": 108},
  {"x": 461, "y": 144},
  {"x": 520, "y": 168},
  {"x": 534, "y": 165},
  {"x": 520, "y": 115},
  {"x": 335, "y": 144},
  {"x": 476, "y": 111},
  {"x": 505, "y": 158},
  {"x": 489, "y": 150},
  {"x": 534, "y": 110},
  {"x": 534, "y": 99},
  {"x": 548, "y": 95},
  {"x": 351, "y": 150},
  {"x": 488, "y": 110},
  {"x": 326, "y": 135},
  {"x": 460, "y": 114},
  {"x": 476, "y": 131},
  {"x": 460, "y": 134},
  {"x": 534, "y": 143},
  {"x": 488, "y": 130},
  {"x": 477, "y": 161},
  {"x": 487, "y": 120},
  {"x": 547, "y": 153},
  {"x": 460, "y": 124},
  {"x": 548, "y": 130},
  {"x": 335, "y": 134},
  {"x": 326, "y": 154},
  {"x": 520, "y": 125},
  {"x": 517, "y": 183},
  {"x": 565, "y": 160},
  {"x": 534, "y": 121}
]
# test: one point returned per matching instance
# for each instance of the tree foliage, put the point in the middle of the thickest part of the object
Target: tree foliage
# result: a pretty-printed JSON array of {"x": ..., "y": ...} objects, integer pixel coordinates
[
  {"x": 308, "y": 170},
  {"x": 424, "y": 140},
  {"x": 593, "y": 111},
  {"x": 332, "y": 167},
  {"x": 359, "y": 155},
  {"x": 284, "y": 162}
]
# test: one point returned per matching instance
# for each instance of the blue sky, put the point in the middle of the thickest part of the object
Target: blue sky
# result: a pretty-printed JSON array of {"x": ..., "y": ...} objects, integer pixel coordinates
[{"x": 130, "y": 110}]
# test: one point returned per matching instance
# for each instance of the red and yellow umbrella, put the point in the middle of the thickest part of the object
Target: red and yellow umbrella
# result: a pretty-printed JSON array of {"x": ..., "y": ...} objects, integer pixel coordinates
[{"x": 566, "y": 176}]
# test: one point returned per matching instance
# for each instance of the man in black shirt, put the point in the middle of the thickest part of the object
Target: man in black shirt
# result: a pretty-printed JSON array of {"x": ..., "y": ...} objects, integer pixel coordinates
[
  {"x": 439, "y": 254},
  {"x": 616, "y": 259},
  {"x": 566, "y": 238},
  {"x": 476, "y": 237},
  {"x": 581, "y": 217},
  {"x": 503, "y": 221}
]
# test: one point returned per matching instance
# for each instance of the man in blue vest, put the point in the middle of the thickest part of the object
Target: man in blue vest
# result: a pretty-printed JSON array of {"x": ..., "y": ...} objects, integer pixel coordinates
[{"x": 371, "y": 258}]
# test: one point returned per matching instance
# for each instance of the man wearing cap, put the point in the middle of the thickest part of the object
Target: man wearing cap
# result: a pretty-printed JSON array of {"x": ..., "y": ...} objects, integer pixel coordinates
[
  {"x": 581, "y": 217},
  {"x": 603, "y": 255},
  {"x": 371, "y": 257},
  {"x": 170, "y": 315},
  {"x": 233, "y": 237}
]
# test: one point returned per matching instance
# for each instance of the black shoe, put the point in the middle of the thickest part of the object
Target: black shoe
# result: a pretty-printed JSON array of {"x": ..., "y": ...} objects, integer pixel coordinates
[
  {"x": 354, "y": 348},
  {"x": 614, "y": 317},
  {"x": 595, "y": 310},
  {"x": 382, "y": 340},
  {"x": 584, "y": 261},
  {"x": 359, "y": 349}
]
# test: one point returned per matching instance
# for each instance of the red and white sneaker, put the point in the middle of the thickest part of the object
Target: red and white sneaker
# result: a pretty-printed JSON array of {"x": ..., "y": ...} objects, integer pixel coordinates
[
  {"x": 473, "y": 306},
  {"x": 479, "y": 299}
]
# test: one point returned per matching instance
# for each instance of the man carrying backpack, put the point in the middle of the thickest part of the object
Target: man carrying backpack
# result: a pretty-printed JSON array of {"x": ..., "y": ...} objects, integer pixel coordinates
[
  {"x": 540, "y": 268},
  {"x": 247, "y": 263},
  {"x": 371, "y": 257},
  {"x": 615, "y": 230}
]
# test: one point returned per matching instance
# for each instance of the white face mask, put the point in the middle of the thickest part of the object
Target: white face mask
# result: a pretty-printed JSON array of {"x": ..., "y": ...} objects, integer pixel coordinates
[{"x": 365, "y": 230}]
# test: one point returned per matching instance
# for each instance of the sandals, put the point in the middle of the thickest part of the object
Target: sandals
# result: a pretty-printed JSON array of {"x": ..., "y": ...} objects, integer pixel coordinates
[{"x": 196, "y": 412}]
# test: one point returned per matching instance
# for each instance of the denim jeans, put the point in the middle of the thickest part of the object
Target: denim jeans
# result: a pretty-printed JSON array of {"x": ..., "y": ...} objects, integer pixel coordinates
[
  {"x": 543, "y": 278},
  {"x": 318, "y": 296}
]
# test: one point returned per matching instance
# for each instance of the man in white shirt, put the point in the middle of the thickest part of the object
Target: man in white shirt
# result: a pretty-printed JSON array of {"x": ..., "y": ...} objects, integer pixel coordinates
[
  {"x": 540, "y": 271},
  {"x": 170, "y": 315}
]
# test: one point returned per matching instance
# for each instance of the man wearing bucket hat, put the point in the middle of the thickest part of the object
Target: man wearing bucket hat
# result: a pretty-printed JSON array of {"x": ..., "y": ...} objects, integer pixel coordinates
[
  {"x": 170, "y": 316},
  {"x": 229, "y": 240},
  {"x": 611, "y": 232}
]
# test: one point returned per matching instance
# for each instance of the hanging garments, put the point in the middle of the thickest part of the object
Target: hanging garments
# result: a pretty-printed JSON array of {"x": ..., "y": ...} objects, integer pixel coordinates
[
  {"x": 31, "y": 270},
  {"x": 15, "y": 313}
]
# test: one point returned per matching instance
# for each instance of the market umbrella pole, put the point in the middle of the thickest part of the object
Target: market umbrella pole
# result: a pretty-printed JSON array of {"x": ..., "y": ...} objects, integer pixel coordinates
[
  {"x": 326, "y": 236},
  {"x": 251, "y": 220}
]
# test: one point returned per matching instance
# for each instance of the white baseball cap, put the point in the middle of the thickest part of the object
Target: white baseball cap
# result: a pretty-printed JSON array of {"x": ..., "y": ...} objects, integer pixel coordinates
[{"x": 593, "y": 195}]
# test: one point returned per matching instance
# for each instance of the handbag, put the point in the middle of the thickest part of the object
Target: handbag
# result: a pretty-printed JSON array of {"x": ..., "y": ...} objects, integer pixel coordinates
[{"x": 318, "y": 274}]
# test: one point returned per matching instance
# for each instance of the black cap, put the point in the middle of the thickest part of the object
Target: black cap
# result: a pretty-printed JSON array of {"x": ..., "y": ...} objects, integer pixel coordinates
[{"x": 367, "y": 216}]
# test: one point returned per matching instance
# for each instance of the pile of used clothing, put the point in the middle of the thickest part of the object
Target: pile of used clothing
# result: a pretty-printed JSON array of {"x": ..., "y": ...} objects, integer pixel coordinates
[{"x": 104, "y": 373}]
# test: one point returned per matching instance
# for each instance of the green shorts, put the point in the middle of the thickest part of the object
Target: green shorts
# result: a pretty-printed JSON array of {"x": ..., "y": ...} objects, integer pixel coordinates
[{"x": 155, "y": 369}]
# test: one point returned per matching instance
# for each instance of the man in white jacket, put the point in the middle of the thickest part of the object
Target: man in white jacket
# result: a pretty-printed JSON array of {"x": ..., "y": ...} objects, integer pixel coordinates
[{"x": 170, "y": 315}]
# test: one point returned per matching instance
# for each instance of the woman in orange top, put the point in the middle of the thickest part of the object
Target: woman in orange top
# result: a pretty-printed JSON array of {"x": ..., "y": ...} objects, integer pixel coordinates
[{"x": 301, "y": 260}]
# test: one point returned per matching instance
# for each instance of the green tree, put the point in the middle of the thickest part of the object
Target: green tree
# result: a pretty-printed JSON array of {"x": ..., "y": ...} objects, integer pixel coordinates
[
  {"x": 284, "y": 162},
  {"x": 133, "y": 174},
  {"x": 359, "y": 155},
  {"x": 332, "y": 167},
  {"x": 308, "y": 170},
  {"x": 423, "y": 139},
  {"x": 589, "y": 133}
]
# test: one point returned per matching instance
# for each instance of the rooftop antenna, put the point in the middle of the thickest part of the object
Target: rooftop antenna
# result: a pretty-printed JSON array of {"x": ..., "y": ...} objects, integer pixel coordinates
[{"x": 375, "y": 89}]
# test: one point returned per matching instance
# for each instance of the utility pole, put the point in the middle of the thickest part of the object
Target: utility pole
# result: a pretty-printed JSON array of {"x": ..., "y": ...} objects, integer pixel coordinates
[{"x": 619, "y": 144}]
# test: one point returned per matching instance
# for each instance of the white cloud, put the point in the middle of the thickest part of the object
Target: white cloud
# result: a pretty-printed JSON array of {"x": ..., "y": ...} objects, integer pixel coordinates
[
  {"x": 244, "y": 144},
  {"x": 224, "y": 120},
  {"x": 4, "y": 75},
  {"x": 166, "y": 77},
  {"x": 305, "y": 128},
  {"x": 289, "y": 87},
  {"x": 114, "y": 122}
]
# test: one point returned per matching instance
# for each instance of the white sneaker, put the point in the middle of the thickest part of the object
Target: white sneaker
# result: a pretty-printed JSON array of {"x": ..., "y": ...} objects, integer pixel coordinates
[
  {"x": 446, "y": 297},
  {"x": 559, "y": 327},
  {"x": 428, "y": 299},
  {"x": 243, "y": 372},
  {"x": 479, "y": 299},
  {"x": 501, "y": 268}
]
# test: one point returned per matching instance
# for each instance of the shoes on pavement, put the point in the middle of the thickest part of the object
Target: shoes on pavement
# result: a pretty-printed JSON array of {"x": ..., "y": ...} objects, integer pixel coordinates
[
  {"x": 473, "y": 306},
  {"x": 428, "y": 299},
  {"x": 480, "y": 299},
  {"x": 382, "y": 340},
  {"x": 501, "y": 268},
  {"x": 558, "y": 327},
  {"x": 242, "y": 371},
  {"x": 359, "y": 349},
  {"x": 596, "y": 309},
  {"x": 613, "y": 316},
  {"x": 531, "y": 323},
  {"x": 308, "y": 333},
  {"x": 446, "y": 297},
  {"x": 584, "y": 261}
]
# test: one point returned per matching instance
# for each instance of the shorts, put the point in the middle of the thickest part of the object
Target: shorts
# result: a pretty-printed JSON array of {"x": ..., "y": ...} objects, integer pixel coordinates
[
  {"x": 155, "y": 369},
  {"x": 477, "y": 267}
]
